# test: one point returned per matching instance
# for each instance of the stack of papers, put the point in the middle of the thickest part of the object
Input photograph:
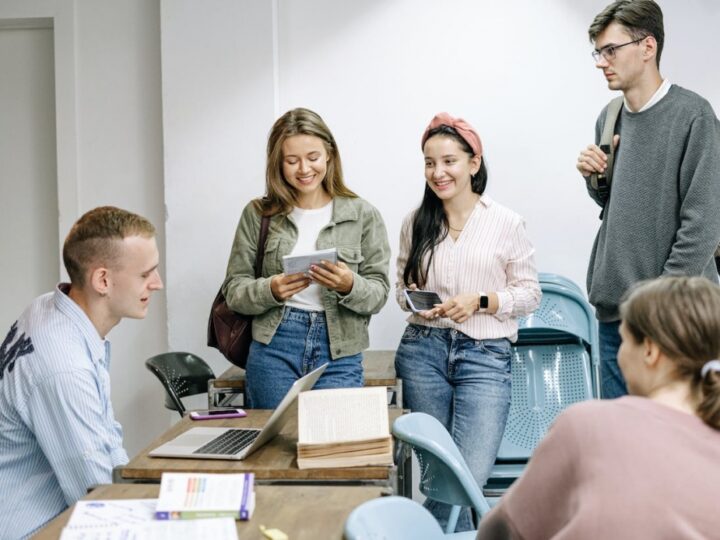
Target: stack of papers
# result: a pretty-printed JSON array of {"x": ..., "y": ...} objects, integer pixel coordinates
[
  {"x": 191, "y": 495},
  {"x": 133, "y": 519},
  {"x": 112, "y": 512}
]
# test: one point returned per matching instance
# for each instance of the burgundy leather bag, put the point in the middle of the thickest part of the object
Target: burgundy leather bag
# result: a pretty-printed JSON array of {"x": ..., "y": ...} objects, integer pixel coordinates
[{"x": 230, "y": 332}]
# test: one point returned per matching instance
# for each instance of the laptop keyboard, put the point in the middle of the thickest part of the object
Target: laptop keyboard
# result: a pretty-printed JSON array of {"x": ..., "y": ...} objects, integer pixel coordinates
[{"x": 230, "y": 442}]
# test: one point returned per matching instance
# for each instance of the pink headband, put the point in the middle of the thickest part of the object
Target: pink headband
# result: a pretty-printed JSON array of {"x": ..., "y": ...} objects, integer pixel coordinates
[{"x": 464, "y": 129}]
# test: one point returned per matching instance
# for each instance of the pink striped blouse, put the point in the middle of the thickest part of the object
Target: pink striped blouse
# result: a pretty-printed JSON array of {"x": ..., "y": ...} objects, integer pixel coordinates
[{"x": 492, "y": 254}]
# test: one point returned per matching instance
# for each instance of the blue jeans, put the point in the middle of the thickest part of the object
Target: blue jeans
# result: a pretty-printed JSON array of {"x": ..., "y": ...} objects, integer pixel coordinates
[
  {"x": 613, "y": 382},
  {"x": 300, "y": 344},
  {"x": 464, "y": 383}
]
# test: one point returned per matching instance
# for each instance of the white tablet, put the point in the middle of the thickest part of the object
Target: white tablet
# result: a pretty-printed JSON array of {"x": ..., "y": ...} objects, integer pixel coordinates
[{"x": 293, "y": 264}]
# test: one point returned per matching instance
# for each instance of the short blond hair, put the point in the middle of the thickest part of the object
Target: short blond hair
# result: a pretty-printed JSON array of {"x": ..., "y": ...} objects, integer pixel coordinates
[
  {"x": 94, "y": 239},
  {"x": 681, "y": 315}
]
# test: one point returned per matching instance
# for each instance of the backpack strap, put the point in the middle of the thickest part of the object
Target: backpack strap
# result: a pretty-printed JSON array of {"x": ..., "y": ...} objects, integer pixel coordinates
[
  {"x": 600, "y": 182},
  {"x": 260, "y": 254}
]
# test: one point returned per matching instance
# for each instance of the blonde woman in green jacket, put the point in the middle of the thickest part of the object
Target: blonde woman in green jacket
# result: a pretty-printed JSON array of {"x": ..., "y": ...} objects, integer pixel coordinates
[{"x": 303, "y": 321}]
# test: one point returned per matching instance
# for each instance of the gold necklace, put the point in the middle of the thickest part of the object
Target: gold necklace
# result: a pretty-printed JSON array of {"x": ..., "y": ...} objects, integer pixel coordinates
[{"x": 453, "y": 228}]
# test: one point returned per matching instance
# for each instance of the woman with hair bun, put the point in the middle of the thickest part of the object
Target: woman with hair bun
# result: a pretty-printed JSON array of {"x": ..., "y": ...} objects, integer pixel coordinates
[{"x": 640, "y": 466}]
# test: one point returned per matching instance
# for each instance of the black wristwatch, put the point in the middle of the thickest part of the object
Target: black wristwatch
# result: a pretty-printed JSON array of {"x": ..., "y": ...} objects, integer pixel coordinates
[{"x": 484, "y": 301}]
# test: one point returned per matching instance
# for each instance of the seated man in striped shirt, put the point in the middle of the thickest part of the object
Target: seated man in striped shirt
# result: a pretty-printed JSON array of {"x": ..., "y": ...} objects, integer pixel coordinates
[{"x": 58, "y": 433}]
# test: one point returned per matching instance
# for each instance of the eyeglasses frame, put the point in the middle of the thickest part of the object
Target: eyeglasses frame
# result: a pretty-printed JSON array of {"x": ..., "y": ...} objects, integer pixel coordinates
[{"x": 608, "y": 51}]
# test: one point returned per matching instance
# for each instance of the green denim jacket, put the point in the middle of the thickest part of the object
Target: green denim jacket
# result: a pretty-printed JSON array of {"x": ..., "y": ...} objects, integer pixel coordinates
[{"x": 357, "y": 231}]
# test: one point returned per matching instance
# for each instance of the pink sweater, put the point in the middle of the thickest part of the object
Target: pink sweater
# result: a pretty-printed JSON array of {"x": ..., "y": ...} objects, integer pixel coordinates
[{"x": 626, "y": 468}]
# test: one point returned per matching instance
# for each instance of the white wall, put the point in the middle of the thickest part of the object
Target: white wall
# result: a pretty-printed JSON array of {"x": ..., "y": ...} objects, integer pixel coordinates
[
  {"x": 217, "y": 109},
  {"x": 28, "y": 173},
  {"x": 377, "y": 71}
]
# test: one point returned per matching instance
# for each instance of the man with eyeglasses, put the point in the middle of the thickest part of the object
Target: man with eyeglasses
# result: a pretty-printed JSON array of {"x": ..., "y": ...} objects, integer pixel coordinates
[{"x": 661, "y": 213}]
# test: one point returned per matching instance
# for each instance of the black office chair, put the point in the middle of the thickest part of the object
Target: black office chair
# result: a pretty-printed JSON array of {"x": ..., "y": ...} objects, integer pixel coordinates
[{"x": 182, "y": 374}]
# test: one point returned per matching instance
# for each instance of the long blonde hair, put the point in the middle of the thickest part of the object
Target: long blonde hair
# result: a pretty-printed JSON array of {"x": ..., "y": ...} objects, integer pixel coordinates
[
  {"x": 280, "y": 197},
  {"x": 682, "y": 316}
]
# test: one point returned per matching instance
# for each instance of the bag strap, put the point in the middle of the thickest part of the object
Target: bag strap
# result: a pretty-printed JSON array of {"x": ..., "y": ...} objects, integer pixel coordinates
[
  {"x": 260, "y": 255},
  {"x": 600, "y": 182}
]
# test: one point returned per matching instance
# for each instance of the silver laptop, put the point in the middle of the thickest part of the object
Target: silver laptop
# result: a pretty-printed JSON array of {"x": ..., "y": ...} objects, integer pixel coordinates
[{"x": 233, "y": 443}]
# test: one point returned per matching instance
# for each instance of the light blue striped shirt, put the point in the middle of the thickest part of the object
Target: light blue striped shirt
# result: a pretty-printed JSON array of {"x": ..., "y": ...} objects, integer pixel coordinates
[{"x": 58, "y": 434}]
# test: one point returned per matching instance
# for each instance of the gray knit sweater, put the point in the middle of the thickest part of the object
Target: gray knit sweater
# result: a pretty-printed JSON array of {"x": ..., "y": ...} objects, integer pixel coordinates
[{"x": 663, "y": 215}]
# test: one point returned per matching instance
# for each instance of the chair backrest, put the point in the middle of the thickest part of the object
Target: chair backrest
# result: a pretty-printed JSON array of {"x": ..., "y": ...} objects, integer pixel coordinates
[
  {"x": 181, "y": 374},
  {"x": 555, "y": 363},
  {"x": 444, "y": 475},
  {"x": 546, "y": 379},
  {"x": 563, "y": 316},
  {"x": 562, "y": 310},
  {"x": 547, "y": 277},
  {"x": 392, "y": 518}
]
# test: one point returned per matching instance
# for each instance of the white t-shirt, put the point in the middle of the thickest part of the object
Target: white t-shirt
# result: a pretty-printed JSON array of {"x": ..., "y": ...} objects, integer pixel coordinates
[
  {"x": 660, "y": 93},
  {"x": 309, "y": 224}
]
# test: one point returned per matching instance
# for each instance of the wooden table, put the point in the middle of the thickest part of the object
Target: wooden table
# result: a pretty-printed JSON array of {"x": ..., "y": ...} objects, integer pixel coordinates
[
  {"x": 276, "y": 462},
  {"x": 379, "y": 368},
  {"x": 303, "y": 512}
]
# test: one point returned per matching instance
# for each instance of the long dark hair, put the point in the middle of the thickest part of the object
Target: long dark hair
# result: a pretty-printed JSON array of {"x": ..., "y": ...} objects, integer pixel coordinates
[{"x": 430, "y": 224}]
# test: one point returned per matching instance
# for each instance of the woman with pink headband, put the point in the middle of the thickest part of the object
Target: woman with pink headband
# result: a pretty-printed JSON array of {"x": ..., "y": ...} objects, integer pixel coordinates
[{"x": 454, "y": 359}]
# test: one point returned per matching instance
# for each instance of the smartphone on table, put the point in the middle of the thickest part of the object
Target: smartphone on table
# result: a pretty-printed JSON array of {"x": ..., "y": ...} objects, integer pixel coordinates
[
  {"x": 421, "y": 300},
  {"x": 215, "y": 414}
]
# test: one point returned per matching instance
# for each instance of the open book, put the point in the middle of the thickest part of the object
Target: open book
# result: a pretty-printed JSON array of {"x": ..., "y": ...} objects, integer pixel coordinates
[{"x": 343, "y": 427}]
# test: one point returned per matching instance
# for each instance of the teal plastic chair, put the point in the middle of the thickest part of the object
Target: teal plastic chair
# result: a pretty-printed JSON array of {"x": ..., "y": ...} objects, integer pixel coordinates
[
  {"x": 181, "y": 374},
  {"x": 444, "y": 475},
  {"x": 563, "y": 311},
  {"x": 557, "y": 279},
  {"x": 396, "y": 518},
  {"x": 555, "y": 363}
]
